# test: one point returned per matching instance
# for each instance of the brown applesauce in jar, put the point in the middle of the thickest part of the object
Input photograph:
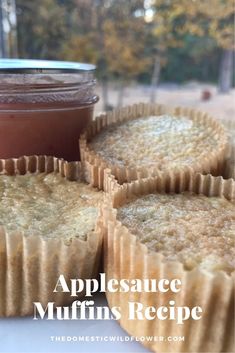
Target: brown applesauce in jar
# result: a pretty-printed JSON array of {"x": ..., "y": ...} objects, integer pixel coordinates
[{"x": 44, "y": 106}]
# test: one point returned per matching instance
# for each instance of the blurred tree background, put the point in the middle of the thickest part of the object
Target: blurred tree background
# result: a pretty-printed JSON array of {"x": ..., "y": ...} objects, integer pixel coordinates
[{"x": 137, "y": 40}]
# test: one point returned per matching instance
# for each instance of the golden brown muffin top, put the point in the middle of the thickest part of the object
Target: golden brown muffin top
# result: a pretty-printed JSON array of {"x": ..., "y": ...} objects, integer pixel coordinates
[
  {"x": 196, "y": 230},
  {"x": 48, "y": 205},
  {"x": 156, "y": 141}
]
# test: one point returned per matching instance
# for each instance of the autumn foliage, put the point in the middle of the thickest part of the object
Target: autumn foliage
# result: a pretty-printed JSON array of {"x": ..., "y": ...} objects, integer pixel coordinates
[{"x": 133, "y": 40}]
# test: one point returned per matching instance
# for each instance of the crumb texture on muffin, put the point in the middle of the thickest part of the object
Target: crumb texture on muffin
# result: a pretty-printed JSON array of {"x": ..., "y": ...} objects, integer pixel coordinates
[
  {"x": 156, "y": 141},
  {"x": 48, "y": 205},
  {"x": 197, "y": 230}
]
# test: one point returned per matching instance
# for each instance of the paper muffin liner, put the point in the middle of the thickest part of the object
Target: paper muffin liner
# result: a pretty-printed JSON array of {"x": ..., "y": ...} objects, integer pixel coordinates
[
  {"x": 125, "y": 257},
  {"x": 229, "y": 168},
  {"x": 30, "y": 265},
  {"x": 213, "y": 162}
]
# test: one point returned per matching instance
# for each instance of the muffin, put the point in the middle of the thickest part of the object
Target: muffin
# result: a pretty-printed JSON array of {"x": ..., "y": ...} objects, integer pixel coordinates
[
  {"x": 229, "y": 170},
  {"x": 48, "y": 228},
  {"x": 174, "y": 227},
  {"x": 137, "y": 141}
]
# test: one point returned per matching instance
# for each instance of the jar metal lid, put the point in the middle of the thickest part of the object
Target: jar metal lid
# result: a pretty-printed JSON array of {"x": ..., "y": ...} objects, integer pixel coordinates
[
  {"x": 31, "y": 66},
  {"x": 44, "y": 82}
]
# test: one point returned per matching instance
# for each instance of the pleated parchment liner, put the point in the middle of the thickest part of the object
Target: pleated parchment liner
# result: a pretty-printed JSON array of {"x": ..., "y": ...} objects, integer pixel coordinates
[
  {"x": 213, "y": 162},
  {"x": 125, "y": 257},
  {"x": 229, "y": 169},
  {"x": 30, "y": 266}
]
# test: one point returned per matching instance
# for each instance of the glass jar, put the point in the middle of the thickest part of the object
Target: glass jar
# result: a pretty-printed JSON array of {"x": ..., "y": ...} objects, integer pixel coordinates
[{"x": 44, "y": 106}]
